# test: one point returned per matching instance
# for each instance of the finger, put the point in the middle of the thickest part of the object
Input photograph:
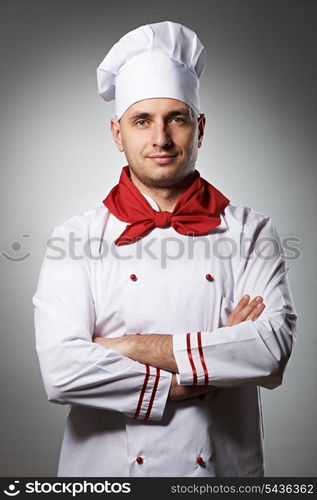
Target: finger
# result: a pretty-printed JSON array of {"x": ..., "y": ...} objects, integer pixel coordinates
[
  {"x": 96, "y": 340},
  {"x": 248, "y": 309},
  {"x": 241, "y": 304},
  {"x": 240, "y": 314},
  {"x": 257, "y": 311}
]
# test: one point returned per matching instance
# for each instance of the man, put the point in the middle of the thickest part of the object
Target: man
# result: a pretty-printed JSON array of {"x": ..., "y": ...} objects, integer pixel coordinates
[{"x": 174, "y": 309}]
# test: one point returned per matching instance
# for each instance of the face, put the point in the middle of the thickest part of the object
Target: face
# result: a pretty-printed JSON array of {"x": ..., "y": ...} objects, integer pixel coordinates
[{"x": 160, "y": 138}]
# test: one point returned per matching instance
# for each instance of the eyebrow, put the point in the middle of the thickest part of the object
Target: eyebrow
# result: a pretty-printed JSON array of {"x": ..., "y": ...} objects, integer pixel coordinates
[{"x": 170, "y": 114}]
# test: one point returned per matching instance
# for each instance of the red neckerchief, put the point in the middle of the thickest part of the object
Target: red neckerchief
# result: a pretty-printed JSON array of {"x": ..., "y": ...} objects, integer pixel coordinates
[{"x": 196, "y": 211}]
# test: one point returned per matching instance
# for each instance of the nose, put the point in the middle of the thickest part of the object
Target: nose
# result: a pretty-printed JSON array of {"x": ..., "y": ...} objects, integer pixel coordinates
[{"x": 161, "y": 136}]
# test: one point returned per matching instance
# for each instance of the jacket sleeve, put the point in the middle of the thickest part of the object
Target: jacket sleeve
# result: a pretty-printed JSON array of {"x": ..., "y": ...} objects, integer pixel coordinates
[
  {"x": 251, "y": 352},
  {"x": 74, "y": 369}
]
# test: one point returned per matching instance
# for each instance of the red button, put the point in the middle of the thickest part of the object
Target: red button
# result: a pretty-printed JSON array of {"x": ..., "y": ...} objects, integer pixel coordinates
[
  {"x": 200, "y": 460},
  {"x": 133, "y": 277},
  {"x": 139, "y": 460},
  {"x": 209, "y": 277}
]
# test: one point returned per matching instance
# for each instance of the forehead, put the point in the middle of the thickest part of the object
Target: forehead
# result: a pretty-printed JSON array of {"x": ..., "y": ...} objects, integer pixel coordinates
[{"x": 157, "y": 105}]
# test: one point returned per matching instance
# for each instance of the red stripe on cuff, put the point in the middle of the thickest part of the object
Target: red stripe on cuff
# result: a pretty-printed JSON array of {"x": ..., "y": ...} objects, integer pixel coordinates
[
  {"x": 190, "y": 357},
  {"x": 157, "y": 378},
  {"x": 146, "y": 378},
  {"x": 202, "y": 359}
]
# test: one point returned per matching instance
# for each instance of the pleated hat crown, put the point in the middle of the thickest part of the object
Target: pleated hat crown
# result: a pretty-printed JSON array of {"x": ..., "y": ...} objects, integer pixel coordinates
[{"x": 164, "y": 59}]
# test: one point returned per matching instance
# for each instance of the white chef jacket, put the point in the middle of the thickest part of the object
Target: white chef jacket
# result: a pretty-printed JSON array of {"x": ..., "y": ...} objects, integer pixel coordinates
[{"x": 120, "y": 421}]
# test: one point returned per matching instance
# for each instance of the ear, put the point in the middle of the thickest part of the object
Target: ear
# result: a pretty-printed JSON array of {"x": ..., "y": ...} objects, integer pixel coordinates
[
  {"x": 201, "y": 128},
  {"x": 116, "y": 133}
]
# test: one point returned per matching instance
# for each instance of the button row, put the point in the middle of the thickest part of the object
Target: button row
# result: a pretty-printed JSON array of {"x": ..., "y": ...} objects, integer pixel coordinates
[
  {"x": 199, "y": 460},
  {"x": 208, "y": 277}
]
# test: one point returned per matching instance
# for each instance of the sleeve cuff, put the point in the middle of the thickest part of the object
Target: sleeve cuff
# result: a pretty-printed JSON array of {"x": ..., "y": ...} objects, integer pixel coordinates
[
  {"x": 190, "y": 360},
  {"x": 153, "y": 394}
]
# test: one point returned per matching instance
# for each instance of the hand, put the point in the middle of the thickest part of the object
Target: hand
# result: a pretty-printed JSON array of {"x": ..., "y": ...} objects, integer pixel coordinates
[
  {"x": 178, "y": 392},
  {"x": 246, "y": 310}
]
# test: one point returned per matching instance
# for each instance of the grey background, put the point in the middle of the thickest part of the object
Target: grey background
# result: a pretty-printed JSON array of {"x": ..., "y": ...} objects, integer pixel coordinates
[{"x": 58, "y": 159}]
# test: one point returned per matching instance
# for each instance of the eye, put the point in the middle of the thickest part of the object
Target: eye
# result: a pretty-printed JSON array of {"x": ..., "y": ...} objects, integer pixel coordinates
[
  {"x": 141, "y": 123},
  {"x": 179, "y": 119}
]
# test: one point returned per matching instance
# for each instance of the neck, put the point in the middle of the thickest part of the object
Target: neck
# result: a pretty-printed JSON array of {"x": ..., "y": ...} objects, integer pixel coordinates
[{"x": 165, "y": 197}]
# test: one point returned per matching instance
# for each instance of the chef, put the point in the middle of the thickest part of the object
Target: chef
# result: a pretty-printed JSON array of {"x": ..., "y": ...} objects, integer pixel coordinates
[{"x": 161, "y": 314}]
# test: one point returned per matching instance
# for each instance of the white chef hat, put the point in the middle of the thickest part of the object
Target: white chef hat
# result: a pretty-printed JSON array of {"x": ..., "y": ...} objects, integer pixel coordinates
[{"x": 164, "y": 59}]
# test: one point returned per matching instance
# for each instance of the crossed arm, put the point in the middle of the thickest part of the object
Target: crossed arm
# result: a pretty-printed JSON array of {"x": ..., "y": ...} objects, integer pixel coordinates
[
  {"x": 157, "y": 349},
  {"x": 76, "y": 370}
]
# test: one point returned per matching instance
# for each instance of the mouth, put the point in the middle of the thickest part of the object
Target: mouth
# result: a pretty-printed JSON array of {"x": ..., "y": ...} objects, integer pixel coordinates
[{"x": 162, "y": 159}]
